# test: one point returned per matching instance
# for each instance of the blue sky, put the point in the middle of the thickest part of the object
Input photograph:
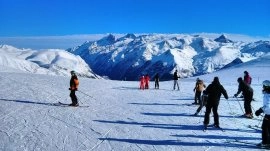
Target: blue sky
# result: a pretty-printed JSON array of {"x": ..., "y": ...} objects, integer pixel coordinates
[{"x": 69, "y": 17}]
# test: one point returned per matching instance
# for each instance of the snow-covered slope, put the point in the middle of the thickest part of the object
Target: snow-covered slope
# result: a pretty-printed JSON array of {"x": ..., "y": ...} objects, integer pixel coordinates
[
  {"x": 122, "y": 117},
  {"x": 53, "y": 62},
  {"x": 163, "y": 53}
]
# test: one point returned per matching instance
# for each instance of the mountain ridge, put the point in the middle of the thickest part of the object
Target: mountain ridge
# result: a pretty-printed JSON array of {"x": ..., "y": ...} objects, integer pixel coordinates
[{"x": 163, "y": 53}]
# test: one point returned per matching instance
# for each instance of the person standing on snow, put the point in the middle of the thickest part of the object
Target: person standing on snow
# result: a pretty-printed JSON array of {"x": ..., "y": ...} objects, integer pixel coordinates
[
  {"x": 146, "y": 80},
  {"x": 202, "y": 103},
  {"x": 247, "y": 78},
  {"x": 266, "y": 110},
  {"x": 74, "y": 83},
  {"x": 175, "y": 79},
  {"x": 247, "y": 92},
  {"x": 199, "y": 87},
  {"x": 142, "y": 82},
  {"x": 156, "y": 81},
  {"x": 214, "y": 91}
]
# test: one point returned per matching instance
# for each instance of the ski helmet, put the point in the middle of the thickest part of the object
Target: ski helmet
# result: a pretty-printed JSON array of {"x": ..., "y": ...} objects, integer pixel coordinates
[
  {"x": 72, "y": 72},
  {"x": 266, "y": 83}
]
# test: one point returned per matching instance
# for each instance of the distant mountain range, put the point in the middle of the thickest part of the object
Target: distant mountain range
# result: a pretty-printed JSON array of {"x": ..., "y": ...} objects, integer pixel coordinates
[{"x": 130, "y": 56}]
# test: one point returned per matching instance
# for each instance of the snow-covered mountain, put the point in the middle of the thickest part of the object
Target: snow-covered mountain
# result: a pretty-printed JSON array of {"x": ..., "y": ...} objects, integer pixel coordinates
[
  {"x": 130, "y": 56},
  {"x": 52, "y": 62}
]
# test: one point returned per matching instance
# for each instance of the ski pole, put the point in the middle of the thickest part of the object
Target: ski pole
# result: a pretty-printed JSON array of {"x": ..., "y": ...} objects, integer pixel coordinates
[
  {"x": 87, "y": 94},
  {"x": 240, "y": 105},
  {"x": 252, "y": 108}
]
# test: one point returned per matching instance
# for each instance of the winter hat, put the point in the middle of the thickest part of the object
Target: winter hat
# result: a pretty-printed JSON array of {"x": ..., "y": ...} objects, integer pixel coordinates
[
  {"x": 239, "y": 79},
  {"x": 216, "y": 80},
  {"x": 266, "y": 83}
]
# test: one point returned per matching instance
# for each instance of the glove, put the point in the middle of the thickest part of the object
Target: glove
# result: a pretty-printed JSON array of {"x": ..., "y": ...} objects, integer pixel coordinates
[
  {"x": 258, "y": 112},
  {"x": 76, "y": 89},
  {"x": 235, "y": 95},
  {"x": 69, "y": 88},
  {"x": 204, "y": 92}
]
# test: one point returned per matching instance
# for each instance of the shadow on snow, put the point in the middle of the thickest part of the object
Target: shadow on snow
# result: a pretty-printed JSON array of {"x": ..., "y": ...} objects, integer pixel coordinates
[
  {"x": 170, "y": 126},
  {"x": 29, "y": 102},
  {"x": 179, "y": 143}
]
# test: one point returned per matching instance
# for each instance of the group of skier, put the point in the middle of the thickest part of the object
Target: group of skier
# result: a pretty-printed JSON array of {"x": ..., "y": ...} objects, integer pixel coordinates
[
  {"x": 211, "y": 98},
  {"x": 144, "y": 82}
]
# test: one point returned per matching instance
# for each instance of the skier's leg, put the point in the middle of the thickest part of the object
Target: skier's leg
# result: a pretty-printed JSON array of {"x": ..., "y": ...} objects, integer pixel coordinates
[
  {"x": 199, "y": 108},
  {"x": 207, "y": 114},
  {"x": 216, "y": 117},
  {"x": 250, "y": 97},
  {"x": 73, "y": 97},
  {"x": 199, "y": 97},
  {"x": 266, "y": 130},
  {"x": 246, "y": 105}
]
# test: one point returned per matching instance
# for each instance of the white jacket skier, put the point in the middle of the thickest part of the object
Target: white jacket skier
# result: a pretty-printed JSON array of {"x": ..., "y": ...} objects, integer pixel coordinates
[{"x": 266, "y": 110}]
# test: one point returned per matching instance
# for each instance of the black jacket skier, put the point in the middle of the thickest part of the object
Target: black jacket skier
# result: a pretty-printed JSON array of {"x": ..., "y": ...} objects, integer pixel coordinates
[
  {"x": 248, "y": 96},
  {"x": 214, "y": 91},
  {"x": 156, "y": 81},
  {"x": 175, "y": 80}
]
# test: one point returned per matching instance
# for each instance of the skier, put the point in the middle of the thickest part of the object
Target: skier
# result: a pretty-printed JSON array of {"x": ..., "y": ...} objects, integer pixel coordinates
[
  {"x": 156, "y": 81},
  {"x": 247, "y": 92},
  {"x": 214, "y": 91},
  {"x": 199, "y": 86},
  {"x": 266, "y": 110},
  {"x": 247, "y": 78},
  {"x": 146, "y": 80},
  {"x": 142, "y": 83},
  {"x": 175, "y": 79},
  {"x": 74, "y": 83},
  {"x": 202, "y": 103}
]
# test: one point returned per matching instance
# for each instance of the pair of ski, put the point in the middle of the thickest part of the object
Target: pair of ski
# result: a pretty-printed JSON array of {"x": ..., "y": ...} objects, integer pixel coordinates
[
  {"x": 68, "y": 105},
  {"x": 205, "y": 128}
]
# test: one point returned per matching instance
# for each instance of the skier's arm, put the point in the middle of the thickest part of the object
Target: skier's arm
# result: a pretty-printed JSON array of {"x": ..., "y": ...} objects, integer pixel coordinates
[
  {"x": 224, "y": 92},
  {"x": 239, "y": 90}
]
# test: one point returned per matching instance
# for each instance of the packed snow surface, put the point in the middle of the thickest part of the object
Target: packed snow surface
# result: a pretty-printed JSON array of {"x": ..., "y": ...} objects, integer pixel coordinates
[{"x": 116, "y": 115}]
